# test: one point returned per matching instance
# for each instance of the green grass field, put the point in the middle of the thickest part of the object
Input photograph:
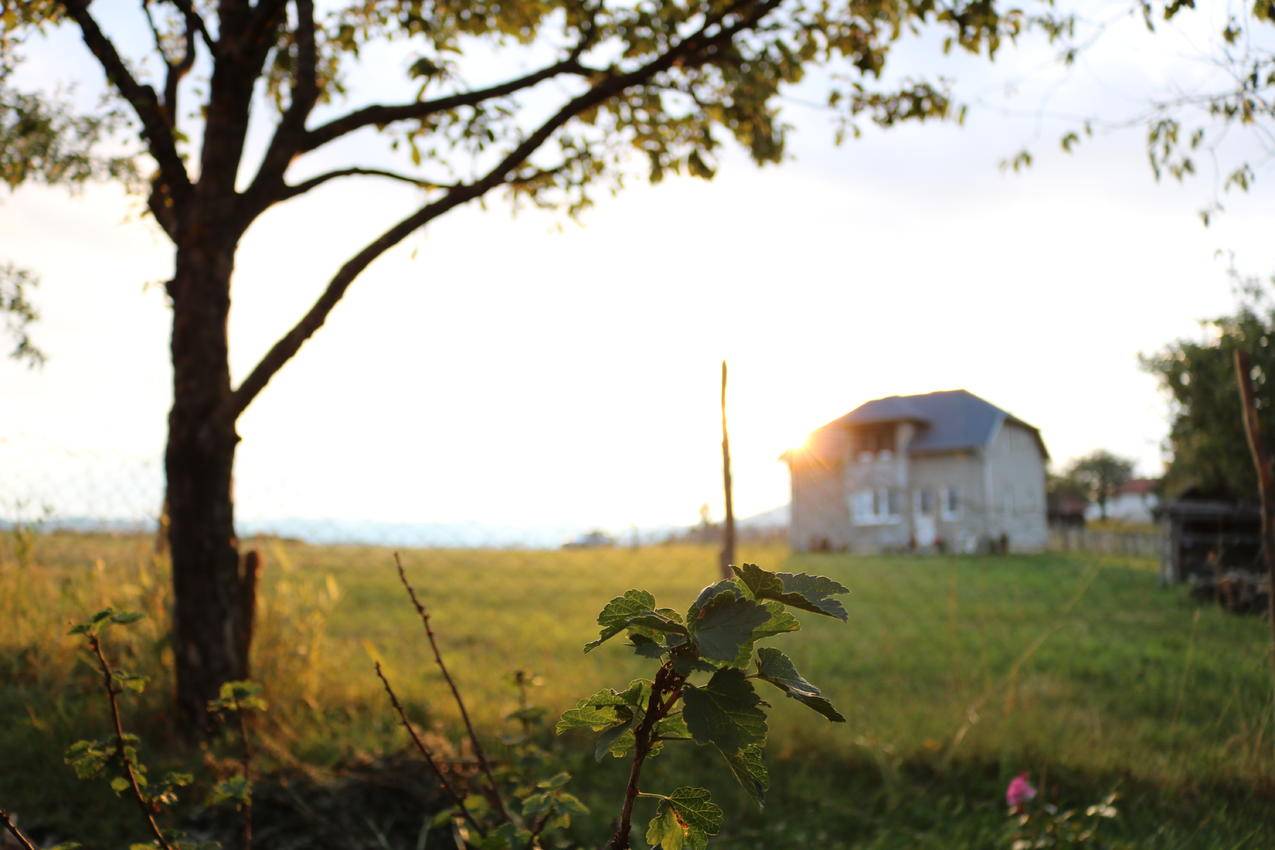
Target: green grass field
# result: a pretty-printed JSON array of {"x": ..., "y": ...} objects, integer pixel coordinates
[{"x": 955, "y": 674}]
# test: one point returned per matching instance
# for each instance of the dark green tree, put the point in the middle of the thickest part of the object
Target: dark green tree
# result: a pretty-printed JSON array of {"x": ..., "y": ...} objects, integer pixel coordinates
[
  {"x": 662, "y": 83},
  {"x": 1206, "y": 434},
  {"x": 1100, "y": 474}
]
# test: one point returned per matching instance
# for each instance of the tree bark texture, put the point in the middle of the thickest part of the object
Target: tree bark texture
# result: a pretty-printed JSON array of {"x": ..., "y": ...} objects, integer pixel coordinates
[{"x": 211, "y": 590}]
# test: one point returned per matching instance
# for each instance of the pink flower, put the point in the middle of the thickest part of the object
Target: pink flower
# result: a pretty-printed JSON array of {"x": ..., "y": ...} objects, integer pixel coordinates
[{"x": 1020, "y": 790}]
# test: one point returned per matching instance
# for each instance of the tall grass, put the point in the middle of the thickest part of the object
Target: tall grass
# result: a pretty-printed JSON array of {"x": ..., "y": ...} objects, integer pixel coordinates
[{"x": 955, "y": 673}]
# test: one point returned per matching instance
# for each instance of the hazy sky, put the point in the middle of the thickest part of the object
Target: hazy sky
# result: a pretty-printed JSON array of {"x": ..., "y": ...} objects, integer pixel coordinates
[{"x": 501, "y": 370}]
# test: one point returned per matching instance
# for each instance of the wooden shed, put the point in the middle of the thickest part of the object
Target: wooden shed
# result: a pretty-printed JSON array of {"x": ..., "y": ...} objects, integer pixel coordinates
[{"x": 1208, "y": 536}]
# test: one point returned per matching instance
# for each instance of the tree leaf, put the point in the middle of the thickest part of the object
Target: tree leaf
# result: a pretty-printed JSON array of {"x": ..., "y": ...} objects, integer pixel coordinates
[
  {"x": 636, "y": 608},
  {"x": 800, "y": 590},
  {"x": 725, "y": 624},
  {"x": 749, "y": 767},
  {"x": 778, "y": 669},
  {"x": 725, "y": 712}
]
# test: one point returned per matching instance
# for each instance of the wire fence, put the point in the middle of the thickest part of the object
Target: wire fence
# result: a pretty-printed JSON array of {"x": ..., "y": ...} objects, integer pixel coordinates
[{"x": 47, "y": 488}]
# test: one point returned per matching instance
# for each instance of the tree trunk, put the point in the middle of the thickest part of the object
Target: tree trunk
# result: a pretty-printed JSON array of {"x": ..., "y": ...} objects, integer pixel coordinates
[{"x": 212, "y": 594}]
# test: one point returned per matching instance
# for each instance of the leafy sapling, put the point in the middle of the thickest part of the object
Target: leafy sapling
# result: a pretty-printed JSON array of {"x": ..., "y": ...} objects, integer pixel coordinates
[
  {"x": 235, "y": 702},
  {"x": 703, "y": 690},
  {"x": 118, "y": 752}
]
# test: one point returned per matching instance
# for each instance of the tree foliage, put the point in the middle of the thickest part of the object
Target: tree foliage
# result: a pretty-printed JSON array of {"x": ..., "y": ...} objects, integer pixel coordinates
[
  {"x": 1187, "y": 126},
  {"x": 1206, "y": 435},
  {"x": 1100, "y": 474}
]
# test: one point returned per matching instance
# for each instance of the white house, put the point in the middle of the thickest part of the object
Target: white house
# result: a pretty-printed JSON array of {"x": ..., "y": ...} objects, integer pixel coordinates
[
  {"x": 942, "y": 470},
  {"x": 1134, "y": 501}
]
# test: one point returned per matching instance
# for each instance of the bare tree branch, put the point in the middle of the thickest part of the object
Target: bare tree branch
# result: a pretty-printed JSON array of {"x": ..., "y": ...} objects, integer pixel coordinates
[
  {"x": 288, "y": 140},
  {"x": 319, "y": 179},
  {"x": 174, "y": 70},
  {"x": 425, "y": 752},
  {"x": 18, "y": 836},
  {"x": 451, "y": 683},
  {"x": 142, "y": 98},
  {"x": 382, "y": 114},
  {"x": 195, "y": 22},
  {"x": 695, "y": 48}
]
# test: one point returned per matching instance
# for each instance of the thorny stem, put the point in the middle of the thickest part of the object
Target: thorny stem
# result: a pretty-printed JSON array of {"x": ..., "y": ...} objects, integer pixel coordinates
[
  {"x": 122, "y": 749},
  {"x": 425, "y": 752},
  {"x": 24, "y": 842},
  {"x": 666, "y": 681},
  {"x": 451, "y": 683}
]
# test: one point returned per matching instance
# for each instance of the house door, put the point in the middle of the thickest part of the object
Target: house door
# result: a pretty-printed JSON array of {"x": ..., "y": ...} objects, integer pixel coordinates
[{"x": 924, "y": 527}]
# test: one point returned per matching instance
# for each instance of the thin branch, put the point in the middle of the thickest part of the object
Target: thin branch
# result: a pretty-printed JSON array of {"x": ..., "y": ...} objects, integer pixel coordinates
[
  {"x": 644, "y": 738},
  {"x": 425, "y": 752},
  {"x": 690, "y": 50},
  {"x": 121, "y": 748},
  {"x": 451, "y": 683},
  {"x": 381, "y": 114},
  {"x": 196, "y": 22},
  {"x": 318, "y": 180},
  {"x": 24, "y": 842},
  {"x": 142, "y": 98},
  {"x": 174, "y": 71},
  {"x": 267, "y": 186}
]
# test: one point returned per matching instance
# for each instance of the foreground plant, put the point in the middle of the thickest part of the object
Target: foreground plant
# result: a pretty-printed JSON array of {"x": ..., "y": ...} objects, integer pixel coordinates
[{"x": 702, "y": 691}]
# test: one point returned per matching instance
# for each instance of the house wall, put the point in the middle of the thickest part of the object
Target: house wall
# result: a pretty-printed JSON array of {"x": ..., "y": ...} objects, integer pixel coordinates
[
  {"x": 963, "y": 530},
  {"x": 819, "y": 517},
  {"x": 879, "y": 471},
  {"x": 1015, "y": 489},
  {"x": 1128, "y": 507}
]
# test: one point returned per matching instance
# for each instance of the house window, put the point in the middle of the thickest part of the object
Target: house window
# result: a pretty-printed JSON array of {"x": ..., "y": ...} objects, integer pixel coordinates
[
  {"x": 925, "y": 502},
  {"x": 949, "y": 503},
  {"x": 873, "y": 507}
]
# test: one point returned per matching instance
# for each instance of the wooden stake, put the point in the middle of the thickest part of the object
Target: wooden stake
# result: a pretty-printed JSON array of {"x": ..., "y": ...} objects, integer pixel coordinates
[
  {"x": 1265, "y": 481},
  {"x": 728, "y": 527}
]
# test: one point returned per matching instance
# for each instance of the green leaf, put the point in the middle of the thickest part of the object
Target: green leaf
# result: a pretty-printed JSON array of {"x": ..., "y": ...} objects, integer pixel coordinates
[
  {"x": 725, "y": 712},
  {"x": 800, "y": 590},
  {"x": 635, "y": 609},
  {"x": 646, "y": 647},
  {"x": 697, "y": 809},
  {"x": 666, "y": 830},
  {"x": 672, "y": 727},
  {"x": 778, "y": 669},
  {"x": 628, "y": 719},
  {"x": 708, "y": 594},
  {"x": 554, "y": 782},
  {"x": 685, "y": 820},
  {"x": 749, "y": 767},
  {"x": 119, "y": 785},
  {"x": 725, "y": 624},
  {"x": 136, "y": 684},
  {"x": 125, "y": 618}
]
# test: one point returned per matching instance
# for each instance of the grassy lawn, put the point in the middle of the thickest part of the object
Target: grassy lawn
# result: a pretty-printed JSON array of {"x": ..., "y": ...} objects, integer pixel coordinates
[{"x": 955, "y": 673}]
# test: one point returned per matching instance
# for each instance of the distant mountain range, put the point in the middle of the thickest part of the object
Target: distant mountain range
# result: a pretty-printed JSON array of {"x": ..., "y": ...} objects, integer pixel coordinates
[{"x": 464, "y": 535}]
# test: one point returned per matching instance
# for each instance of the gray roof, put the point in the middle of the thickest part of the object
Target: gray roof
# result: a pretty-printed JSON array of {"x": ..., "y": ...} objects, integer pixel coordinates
[{"x": 954, "y": 420}]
